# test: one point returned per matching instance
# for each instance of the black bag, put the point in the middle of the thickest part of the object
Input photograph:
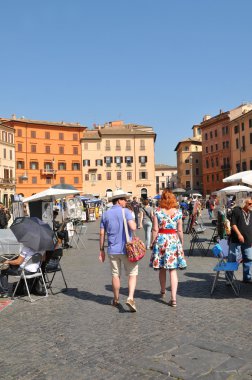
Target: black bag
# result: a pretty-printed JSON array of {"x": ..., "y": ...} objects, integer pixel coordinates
[{"x": 35, "y": 287}]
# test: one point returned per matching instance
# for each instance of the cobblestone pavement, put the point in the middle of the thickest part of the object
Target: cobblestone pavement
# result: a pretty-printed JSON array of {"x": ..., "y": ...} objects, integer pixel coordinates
[{"x": 78, "y": 335}]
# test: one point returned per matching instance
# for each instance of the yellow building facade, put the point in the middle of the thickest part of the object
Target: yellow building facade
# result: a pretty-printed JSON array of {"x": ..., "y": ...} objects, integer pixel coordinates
[
  {"x": 7, "y": 163},
  {"x": 118, "y": 155}
]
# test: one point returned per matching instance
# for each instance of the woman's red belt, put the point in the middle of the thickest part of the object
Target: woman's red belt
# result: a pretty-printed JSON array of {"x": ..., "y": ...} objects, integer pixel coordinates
[{"x": 166, "y": 231}]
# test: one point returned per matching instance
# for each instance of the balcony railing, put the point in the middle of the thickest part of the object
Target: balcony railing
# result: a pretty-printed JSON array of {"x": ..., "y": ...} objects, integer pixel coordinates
[
  {"x": 48, "y": 172},
  {"x": 7, "y": 181}
]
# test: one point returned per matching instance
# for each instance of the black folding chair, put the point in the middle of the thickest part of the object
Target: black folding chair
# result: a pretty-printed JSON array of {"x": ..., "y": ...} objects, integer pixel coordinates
[{"x": 51, "y": 266}]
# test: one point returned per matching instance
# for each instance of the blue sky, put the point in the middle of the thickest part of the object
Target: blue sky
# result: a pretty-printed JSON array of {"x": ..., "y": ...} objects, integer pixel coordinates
[{"x": 161, "y": 63}]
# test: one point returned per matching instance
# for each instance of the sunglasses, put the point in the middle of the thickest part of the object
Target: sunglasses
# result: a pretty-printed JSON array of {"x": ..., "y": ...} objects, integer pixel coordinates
[{"x": 249, "y": 204}]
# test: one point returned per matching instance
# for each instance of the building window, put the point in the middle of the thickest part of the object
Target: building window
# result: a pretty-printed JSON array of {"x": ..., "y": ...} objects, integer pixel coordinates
[
  {"x": 33, "y": 134},
  {"x": 75, "y": 166},
  {"x": 48, "y": 180},
  {"x": 86, "y": 177},
  {"x": 207, "y": 178},
  {"x": 75, "y": 150},
  {"x": 142, "y": 160},
  {"x": 10, "y": 138},
  {"x": 196, "y": 161},
  {"x": 211, "y": 148},
  {"x": 34, "y": 180},
  {"x": 186, "y": 148},
  {"x": 92, "y": 177},
  {"x": 86, "y": 162},
  {"x": 129, "y": 176},
  {"x": 118, "y": 160},
  {"x": 250, "y": 138},
  {"x": 61, "y": 150},
  {"x": 206, "y": 149},
  {"x": 212, "y": 177},
  {"x": 250, "y": 165},
  {"x": 20, "y": 147},
  {"x": 75, "y": 136},
  {"x": 19, "y": 132},
  {"x": 238, "y": 167},
  {"x": 118, "y": 176},
  {"x": 128, "y": 160},
  {"x": 207, "y": 164},
  {"x": 227, "y": 144},
  {"x": 187, "y": 161},
  {"x": 142, "y": 145},
  {"x": 33, "y": 148},
  {"x": 99, "y": 177},
  {"x": 216, "y": 147},
  {"x": 211, "y": 135},
  {"x": 212, "y": 163},
  {"x": 61, "y": 166},
  {"x": 223, "y": 144},
  {"x": 108, "y": 176},
  {"x": 215, "y": 133},
  {"x": 76, "y": 179},
  {"x": 34, "y": 165},
  {"x": 47, "y": 135},
  {"x": 61, "y": 137},
  {"x": 206, "y": 137},
  {"x": 10, "y": 154},
  {"x": 242, "y": 126},
  {"x": 197, "y": 171},
  {"x": 244, "y": 166},
  {"x": 98, "y": 162},
  {"x": 188, "y": 185},
  {"x": 20, "y": 164},
  {"x": 237, "y": 143},
  {"x": 236, "y": 129},
  {"x": 118, "y": 145},
  {"x": 107, "y": 146},
  {"x": 217, "y": 161},
  {"x": 250, "y": 123},
  {"x": 47, "y": 149},
  {"x": 128, "y": 146},
  {"x": 108, "y": 160},
  {"x": 4, "y": 153},
  {"x": 62, "y": 179},
  {"x": 187, "y": 172},
  {"x": 143, "y": 175}
]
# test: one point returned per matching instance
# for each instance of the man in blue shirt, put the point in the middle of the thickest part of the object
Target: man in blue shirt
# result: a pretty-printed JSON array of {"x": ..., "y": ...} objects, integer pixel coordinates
[{"x": 112, "y": 225}]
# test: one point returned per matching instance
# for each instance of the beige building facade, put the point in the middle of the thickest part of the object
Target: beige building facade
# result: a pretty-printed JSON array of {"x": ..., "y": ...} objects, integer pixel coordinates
[
  {"x": 118, "y": 155},
  {"x": 241, "y": 143},
  {"x": 7, "y": 164},
  {"x": 166, "y": 177},
  {"x": 189, "y": 161}
]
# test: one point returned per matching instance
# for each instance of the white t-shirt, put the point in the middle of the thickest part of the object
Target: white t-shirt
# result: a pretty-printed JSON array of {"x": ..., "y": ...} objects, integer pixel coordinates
[{"x": 27, "y": 253}]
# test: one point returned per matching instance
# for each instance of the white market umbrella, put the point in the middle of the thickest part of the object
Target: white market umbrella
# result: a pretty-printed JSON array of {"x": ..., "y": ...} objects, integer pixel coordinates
[
  {"x": 235, "y": 189},
  {"x": 247, "y": 179},
  {"x": 237, "y": 176},
  {"x": 50, "y": 194}
]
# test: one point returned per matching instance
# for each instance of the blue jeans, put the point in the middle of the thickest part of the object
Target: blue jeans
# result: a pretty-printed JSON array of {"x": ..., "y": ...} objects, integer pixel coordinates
[
  {"x": 238, "y": 251},
  {"x": 147, "y": 229}
]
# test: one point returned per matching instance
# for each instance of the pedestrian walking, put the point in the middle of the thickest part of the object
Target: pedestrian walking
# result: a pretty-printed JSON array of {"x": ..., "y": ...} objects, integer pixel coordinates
[
  {"x": 241, "y": 237},
  {"x": 146, "y": 216},
  {"x": 136, "y": 207},
  {"x": 3, "y": 217},
  {"x": 112, "y": 225},
  {"x": 167, "y": 243}
]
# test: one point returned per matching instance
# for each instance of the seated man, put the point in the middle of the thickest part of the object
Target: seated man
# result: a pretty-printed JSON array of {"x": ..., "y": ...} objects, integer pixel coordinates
[
  {"x": 16, "y": 267},
  {"x": 60, "y": 230}
]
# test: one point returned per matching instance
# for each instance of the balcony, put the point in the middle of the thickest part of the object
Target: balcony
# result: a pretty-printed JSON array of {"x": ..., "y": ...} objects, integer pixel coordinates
[
  {"x": 51, "y": 172},
  {"x": 7, "y": 181}
]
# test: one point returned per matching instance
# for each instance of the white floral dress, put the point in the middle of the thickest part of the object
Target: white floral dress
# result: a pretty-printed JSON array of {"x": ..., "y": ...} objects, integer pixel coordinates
[{"x": 167, "y": 250}]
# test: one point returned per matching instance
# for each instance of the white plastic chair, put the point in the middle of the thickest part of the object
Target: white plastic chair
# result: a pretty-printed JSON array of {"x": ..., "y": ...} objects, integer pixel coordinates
[{"x": 36, "y": 258}]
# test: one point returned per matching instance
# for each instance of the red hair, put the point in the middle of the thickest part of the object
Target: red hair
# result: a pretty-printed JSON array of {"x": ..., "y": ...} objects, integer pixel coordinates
[{"x": 168, "y": 200}]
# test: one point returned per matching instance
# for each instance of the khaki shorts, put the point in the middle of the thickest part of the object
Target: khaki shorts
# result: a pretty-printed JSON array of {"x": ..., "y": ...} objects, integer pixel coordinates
[{"x": 116, "y": 261}]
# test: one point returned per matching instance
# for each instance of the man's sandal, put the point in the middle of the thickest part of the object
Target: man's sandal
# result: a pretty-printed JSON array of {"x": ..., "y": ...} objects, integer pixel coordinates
[
  {"x": 172, "y": 303},
  {"x": 115, "y": 303}
]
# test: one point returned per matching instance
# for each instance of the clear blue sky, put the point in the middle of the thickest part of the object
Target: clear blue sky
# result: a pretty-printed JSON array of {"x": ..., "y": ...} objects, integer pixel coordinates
[{"x": 163, "y": 63}]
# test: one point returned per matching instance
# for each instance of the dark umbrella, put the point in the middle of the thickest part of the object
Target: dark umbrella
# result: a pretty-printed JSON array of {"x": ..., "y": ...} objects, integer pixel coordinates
[
  {"x": 34, "y": 233},
  {"x": 64, "y": 186}
]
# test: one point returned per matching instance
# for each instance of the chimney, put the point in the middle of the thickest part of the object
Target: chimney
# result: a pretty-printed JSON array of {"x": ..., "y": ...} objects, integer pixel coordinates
[{"x": 206, "y": 117}]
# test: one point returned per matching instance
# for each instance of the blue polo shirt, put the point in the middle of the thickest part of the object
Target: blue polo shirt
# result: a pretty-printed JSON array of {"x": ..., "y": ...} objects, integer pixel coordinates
[{"x": 112, "y": 223}]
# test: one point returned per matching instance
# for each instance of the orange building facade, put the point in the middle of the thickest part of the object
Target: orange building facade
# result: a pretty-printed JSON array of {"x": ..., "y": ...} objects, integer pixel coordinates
[{"x": 47, "y": 153}]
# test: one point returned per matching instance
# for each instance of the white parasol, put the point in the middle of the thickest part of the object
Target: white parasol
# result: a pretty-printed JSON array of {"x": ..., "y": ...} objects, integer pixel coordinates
[
  {"x": 235, "y": 189},
  {"x": 50, "y": 194},
  {"x": 238, "y": 177}
]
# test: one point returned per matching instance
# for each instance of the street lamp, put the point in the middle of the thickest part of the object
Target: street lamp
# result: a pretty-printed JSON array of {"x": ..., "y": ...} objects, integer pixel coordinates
[{"x": 191, "y": 171}]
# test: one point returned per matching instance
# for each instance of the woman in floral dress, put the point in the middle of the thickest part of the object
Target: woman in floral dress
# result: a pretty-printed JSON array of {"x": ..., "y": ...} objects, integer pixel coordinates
[{"x": 167, "y": 243}]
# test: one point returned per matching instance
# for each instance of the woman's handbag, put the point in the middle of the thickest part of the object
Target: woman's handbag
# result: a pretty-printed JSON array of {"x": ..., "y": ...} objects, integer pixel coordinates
[{"x": 135, "y": 248}]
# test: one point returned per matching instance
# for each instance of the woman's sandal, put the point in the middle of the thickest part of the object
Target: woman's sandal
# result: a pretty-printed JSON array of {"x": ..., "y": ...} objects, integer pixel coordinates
[
  {"x": 172, "y": 303},
  {"x": 115, "y": 303},
  {"x": 163, "y": 296}
]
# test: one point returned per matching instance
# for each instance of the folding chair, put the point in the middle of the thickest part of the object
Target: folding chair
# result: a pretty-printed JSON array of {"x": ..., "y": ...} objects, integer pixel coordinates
[
  {"x": 196, "y": 241},
  {"x": 35, "y": 259},
  {"x": 77, "y": 235},
  {"x": 51, "y": 266},
  {"x": 228, "y": 268}
]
